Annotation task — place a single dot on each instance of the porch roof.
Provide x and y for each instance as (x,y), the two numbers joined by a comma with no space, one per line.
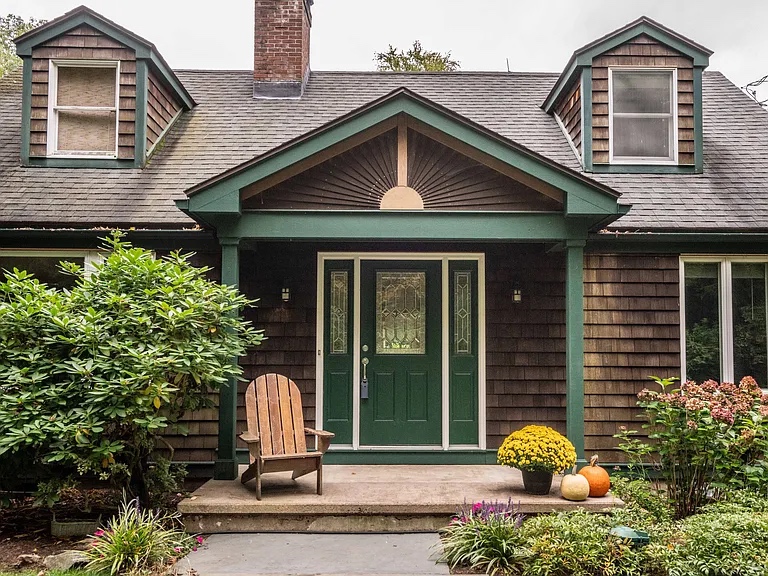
(218,200)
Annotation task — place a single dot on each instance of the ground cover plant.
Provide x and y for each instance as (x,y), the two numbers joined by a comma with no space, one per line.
(93,376)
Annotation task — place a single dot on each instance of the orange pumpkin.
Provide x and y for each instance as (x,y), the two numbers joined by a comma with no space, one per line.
(599,481)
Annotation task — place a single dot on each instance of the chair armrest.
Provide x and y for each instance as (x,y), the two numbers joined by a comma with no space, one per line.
(249,438)
(323,438)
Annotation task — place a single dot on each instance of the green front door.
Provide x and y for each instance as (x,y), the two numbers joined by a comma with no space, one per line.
(400,329)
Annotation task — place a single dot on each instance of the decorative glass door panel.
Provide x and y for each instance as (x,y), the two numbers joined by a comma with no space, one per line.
(400,312)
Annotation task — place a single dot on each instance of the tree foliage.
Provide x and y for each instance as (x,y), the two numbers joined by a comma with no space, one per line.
(12,26)
(91,377)
(415,59)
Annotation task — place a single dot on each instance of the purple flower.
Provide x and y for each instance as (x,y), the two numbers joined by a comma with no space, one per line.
(99,533)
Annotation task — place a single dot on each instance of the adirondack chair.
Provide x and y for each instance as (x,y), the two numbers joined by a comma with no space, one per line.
(276,435)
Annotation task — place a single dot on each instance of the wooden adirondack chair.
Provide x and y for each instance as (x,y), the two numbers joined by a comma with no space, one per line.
(276,436)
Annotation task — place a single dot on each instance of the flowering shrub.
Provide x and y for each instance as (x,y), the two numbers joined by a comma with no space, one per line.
(137,542)
(485,536)
(537,448)
(708,437)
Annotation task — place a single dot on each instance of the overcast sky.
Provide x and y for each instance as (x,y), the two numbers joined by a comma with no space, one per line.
(535,35)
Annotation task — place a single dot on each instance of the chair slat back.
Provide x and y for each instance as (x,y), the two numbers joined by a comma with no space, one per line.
(273,411)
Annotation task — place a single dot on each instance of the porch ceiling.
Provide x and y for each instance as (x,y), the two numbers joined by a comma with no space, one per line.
(573,203)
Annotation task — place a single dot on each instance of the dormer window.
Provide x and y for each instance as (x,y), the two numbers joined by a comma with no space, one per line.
(83,102)
(643,116)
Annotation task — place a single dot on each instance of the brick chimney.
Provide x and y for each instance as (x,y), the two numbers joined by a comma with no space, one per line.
(281,48)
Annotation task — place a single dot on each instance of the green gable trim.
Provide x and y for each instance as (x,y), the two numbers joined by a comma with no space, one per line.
(698,120)
(402,225)
(144,50)
(586,197)
(584,56)
(586,124)
(80,163)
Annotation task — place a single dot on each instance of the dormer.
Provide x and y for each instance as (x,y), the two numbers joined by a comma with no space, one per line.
(631,101)
(95,95)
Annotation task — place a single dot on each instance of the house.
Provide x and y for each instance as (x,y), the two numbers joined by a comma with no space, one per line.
(440,258)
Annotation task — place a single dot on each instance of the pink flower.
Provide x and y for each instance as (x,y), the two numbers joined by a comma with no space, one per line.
(199,539)
(177,548)
(99,533)
(692,425)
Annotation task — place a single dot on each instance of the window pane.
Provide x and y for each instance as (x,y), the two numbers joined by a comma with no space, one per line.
(462,312)
(702,321)
(339,311)
(401,312)
(641,137)
(77,86)
(45,268)
(642,92)
(749,329)
(87,132)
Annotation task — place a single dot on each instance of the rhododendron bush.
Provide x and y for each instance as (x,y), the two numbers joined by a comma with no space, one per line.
(705,438)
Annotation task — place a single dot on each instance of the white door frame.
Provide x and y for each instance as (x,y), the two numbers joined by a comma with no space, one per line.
(444,258)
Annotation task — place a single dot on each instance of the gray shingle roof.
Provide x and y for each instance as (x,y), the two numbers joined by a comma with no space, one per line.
(229,127)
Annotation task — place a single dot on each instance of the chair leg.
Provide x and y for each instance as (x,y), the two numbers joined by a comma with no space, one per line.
(320,478)
(258,484)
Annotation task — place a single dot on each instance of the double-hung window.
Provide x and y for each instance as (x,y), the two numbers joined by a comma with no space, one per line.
(724,302)
(642,116)
(83,104)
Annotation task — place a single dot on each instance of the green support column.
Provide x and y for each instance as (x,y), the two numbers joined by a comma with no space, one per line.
(226,460)
(574,344)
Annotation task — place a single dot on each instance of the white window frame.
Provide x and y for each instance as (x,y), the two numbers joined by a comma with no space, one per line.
(673,144)
(54,108)
(725,303)
(90,257)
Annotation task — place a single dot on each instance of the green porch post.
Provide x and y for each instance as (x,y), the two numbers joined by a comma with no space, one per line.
(226,461)
(574,344)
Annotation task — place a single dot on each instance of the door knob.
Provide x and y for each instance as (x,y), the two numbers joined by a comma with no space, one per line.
(364,381)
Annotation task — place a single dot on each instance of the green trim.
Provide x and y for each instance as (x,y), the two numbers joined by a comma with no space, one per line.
(340,456)
(679,243)
(698,120)
(574,344)
(226,461)
(586,125)
(144,50)
(199,240)
(643,169)
(221,194)
(402,225)
(584,56)
(140,142)
(80,163)
(26,110)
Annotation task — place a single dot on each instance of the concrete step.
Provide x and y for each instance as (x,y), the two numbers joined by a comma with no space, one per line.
(361,499)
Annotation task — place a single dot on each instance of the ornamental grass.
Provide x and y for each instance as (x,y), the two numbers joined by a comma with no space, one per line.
(537,448)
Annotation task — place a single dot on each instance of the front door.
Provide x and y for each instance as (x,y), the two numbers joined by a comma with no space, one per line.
(400,347)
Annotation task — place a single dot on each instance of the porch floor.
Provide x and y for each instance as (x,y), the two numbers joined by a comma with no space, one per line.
(369,498)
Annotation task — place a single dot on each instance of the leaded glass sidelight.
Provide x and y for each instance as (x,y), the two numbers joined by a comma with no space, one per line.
(401,312)
(462,312)
(339,311)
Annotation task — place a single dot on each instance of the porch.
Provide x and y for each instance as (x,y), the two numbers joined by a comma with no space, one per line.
(367,498)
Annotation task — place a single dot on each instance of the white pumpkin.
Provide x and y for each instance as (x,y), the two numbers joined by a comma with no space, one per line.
(574,486)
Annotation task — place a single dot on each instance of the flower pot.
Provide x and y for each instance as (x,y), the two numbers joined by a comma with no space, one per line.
(537,482)
(74,527)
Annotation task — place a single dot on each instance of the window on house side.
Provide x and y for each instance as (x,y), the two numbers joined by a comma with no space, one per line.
(44,264)
(725,319)
(642,116)
(83,109)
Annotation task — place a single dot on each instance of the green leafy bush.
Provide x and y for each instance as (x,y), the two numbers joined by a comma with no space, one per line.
(708,437)
(577,544)
(485,537)
(137,542)
(92,376)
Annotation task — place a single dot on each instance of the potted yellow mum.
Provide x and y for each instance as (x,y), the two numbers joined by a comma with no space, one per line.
(539,452)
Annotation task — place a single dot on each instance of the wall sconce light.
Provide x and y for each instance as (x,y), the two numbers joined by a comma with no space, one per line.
(286,294)
(517,292)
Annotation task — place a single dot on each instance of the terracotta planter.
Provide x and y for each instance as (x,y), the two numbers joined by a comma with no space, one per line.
(537,482)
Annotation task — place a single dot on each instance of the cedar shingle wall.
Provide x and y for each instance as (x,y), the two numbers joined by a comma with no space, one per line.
(83,43)
(632,331)
(162,106)
(569,112)
(525,371)
(644,52)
